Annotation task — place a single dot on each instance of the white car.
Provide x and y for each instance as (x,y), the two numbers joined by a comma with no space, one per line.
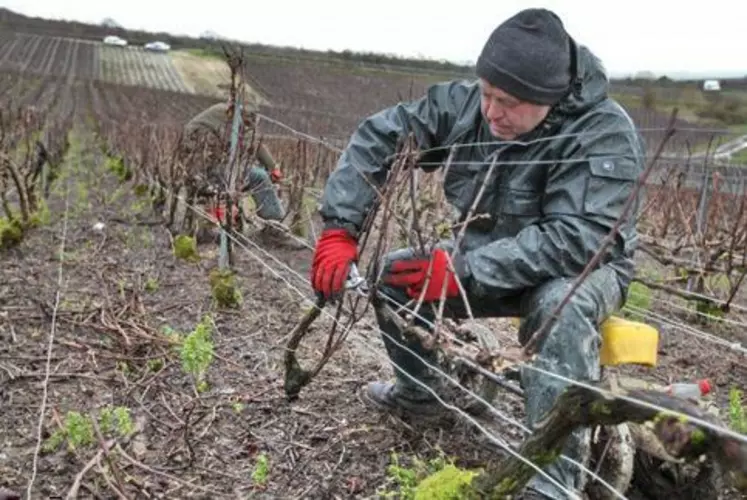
(157,46)
(115,40)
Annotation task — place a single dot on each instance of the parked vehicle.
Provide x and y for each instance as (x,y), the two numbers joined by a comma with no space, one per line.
(157,47)
(115,40)
(711,85)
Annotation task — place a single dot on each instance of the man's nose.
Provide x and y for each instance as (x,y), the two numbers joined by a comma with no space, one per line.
(494,111)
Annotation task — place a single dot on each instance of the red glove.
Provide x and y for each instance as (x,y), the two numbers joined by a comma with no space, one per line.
(411,275)
(335,251)
(276,175)
(218,213)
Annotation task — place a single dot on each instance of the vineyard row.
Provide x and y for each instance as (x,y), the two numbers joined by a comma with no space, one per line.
(75,59)
(696,247)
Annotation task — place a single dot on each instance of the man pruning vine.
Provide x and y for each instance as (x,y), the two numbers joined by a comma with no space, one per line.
(566,158)
(256,180)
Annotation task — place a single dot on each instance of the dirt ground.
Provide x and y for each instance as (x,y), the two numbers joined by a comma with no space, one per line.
(102,303)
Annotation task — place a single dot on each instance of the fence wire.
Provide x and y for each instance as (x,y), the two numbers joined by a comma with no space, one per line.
(600,391)
(493,438)
(738,172)
(441,373)
(436,369)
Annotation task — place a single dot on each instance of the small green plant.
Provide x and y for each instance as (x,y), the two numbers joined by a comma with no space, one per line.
(11,232)
(639,297)
(196,352)
(151,285)
(738,422)
(707,311)
(124,367)
(77,428)
(737,417)
(185,247)
(437,478)
(404,478)
(443,229)
(82,202)
(116,419)
(449,483)
(42,216)
(14,228)
(155,365)
(261,470)
(141,190)
(223,287)
(54,441)
(116,165)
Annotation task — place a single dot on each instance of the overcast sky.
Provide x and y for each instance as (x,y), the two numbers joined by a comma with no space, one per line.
(663,36)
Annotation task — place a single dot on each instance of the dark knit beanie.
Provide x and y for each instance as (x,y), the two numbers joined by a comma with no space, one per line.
(529,57)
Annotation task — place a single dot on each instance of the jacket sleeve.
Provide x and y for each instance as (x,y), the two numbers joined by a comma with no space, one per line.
(584,195)
(348,193)
(265,158)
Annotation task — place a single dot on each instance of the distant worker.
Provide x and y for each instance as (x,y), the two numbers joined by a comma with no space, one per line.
(256,181)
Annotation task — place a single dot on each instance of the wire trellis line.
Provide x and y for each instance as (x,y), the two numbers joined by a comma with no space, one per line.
(728,432)
(435,368)
(584,134)
(485,373)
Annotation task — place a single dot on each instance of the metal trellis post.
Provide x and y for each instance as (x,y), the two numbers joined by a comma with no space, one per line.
(225,250)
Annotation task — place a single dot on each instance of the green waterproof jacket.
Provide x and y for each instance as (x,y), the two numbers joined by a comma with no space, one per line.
(552,197)
(214,121)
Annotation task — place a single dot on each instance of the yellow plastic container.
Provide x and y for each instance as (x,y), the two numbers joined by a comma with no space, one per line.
(624,342)
(628,342)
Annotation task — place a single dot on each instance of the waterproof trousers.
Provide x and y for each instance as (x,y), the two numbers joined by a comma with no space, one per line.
(570,350)
(258,185)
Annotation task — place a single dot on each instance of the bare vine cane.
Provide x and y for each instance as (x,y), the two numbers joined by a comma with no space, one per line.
(297,377)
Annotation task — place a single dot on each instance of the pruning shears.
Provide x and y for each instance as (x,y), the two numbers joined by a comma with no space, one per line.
(356,282)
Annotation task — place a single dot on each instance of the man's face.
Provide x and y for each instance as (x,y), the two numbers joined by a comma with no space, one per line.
(508,116)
